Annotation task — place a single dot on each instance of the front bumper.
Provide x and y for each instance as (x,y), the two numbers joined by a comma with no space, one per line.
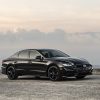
(74,72)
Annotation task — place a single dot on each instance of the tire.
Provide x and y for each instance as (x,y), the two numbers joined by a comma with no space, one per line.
(54,73)
(80,77)
(11,73)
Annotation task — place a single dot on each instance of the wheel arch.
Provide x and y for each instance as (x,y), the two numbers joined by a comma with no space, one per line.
(52,64)
(9,66)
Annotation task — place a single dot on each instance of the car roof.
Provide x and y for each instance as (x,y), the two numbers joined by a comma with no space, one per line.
(38,49)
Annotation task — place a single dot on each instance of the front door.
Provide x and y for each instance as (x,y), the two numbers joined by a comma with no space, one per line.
(37,66)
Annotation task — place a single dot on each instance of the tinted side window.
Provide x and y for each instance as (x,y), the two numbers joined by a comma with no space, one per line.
(33,54)
(24,54)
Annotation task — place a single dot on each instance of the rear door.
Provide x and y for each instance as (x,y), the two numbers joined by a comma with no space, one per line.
(23,62)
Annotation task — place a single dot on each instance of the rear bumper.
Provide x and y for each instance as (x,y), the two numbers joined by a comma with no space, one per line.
(3,70)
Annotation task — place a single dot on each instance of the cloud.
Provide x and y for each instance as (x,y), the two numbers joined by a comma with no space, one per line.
(85,45)
(58,38)
(55,37)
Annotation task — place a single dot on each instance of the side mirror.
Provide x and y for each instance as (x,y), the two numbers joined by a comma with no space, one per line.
(39,57)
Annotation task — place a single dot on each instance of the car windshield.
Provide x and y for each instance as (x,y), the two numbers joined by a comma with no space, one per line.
(52,53)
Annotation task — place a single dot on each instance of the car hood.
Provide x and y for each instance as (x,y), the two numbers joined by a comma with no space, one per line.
(71,59)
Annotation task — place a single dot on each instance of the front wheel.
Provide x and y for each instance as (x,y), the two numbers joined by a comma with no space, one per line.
(11,73)
(54,73)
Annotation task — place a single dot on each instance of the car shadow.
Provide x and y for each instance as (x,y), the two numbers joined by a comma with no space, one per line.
(47,79)
(32,78)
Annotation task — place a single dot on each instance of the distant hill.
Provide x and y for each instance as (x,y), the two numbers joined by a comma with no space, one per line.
(96,66)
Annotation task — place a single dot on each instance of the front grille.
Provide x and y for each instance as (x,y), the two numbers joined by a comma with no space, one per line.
(79,67)
(83,66)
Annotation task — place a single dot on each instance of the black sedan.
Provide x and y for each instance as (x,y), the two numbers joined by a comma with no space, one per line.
(45,62)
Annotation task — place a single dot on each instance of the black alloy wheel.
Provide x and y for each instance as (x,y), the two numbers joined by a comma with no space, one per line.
(54,73)
(11,73)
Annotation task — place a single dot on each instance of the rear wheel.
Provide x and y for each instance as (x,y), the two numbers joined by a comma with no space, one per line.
(54,73)
(80,77)
(11,73)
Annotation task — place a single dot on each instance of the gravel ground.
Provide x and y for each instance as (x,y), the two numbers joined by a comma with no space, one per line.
(30,88)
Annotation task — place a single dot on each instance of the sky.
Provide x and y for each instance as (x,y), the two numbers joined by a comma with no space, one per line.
(47,15)
(72,26)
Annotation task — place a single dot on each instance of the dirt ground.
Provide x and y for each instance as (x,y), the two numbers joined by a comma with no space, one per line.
(30,88)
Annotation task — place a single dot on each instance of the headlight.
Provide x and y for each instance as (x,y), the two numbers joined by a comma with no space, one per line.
(68,64)
(90,67)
